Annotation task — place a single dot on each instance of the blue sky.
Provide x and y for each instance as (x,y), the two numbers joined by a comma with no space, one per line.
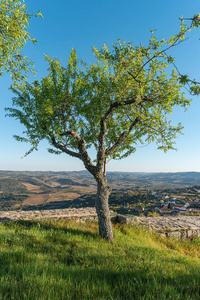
(83,24)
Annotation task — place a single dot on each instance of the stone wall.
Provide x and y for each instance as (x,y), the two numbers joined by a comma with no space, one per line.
(53,214)
(170,226)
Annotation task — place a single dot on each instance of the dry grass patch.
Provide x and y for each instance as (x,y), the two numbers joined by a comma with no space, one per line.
(36,199)
(53,184)
(84,189)
(32,187)
(63,197)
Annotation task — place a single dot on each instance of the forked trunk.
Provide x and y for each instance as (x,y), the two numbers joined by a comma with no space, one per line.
(103,192)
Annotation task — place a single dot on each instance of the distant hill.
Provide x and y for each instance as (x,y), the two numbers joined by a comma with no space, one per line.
(67,181)
(115,179)
(9,185)
(160,180)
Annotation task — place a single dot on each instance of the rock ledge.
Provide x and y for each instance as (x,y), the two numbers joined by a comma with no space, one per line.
(178,227)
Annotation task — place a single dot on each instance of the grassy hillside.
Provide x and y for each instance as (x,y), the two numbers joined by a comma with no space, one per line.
(66,260)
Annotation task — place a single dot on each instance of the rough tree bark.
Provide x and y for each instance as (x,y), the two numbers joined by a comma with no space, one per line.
(101,203)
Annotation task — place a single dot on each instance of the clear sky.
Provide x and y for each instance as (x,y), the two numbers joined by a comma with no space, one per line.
(83,24)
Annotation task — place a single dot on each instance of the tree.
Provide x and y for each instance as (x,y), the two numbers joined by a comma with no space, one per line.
(125,98)
(14,21)
(169,205)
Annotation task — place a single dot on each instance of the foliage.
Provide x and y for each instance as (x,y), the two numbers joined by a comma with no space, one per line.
(14,21)
(127,96)
(193,85)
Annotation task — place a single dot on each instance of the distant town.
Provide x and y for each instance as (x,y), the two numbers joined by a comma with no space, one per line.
(161,202)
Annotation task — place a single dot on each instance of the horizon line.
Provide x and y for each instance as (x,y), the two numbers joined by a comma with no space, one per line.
(84,170)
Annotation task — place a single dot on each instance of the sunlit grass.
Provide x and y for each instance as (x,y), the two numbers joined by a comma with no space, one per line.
(67,260)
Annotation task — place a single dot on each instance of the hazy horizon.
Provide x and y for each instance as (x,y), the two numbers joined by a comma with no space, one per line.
(84,170)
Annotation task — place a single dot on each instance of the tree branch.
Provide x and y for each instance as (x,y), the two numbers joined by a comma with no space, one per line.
(83,155)
(175,43)
(103,128)
(63,148)
(121,139)
(101,155)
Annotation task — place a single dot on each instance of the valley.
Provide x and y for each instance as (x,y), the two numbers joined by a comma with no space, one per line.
(132,193)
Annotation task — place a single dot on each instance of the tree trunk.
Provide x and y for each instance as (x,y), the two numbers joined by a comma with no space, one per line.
(103,192)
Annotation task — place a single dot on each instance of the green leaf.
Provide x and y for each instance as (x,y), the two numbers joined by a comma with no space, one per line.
(14,25)
(195,89)
(39,14)
(184,79)
(124,98)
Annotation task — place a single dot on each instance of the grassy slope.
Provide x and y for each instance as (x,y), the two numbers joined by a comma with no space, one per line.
(66,260)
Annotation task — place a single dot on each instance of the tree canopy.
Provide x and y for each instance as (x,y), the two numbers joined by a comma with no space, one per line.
(14,21)
(126,95)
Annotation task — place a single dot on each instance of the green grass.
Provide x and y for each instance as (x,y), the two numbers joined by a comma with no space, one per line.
(67,260)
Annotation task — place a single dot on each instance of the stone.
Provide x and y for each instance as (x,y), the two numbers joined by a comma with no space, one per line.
(174,234)
(123,219)
(119,219)
(191,233)
(183,234)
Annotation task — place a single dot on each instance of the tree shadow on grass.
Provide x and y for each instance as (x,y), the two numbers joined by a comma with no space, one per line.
(94,278)
(52,225)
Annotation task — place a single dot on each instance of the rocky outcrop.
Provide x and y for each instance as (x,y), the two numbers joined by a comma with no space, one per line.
(171,226)
(53,214)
